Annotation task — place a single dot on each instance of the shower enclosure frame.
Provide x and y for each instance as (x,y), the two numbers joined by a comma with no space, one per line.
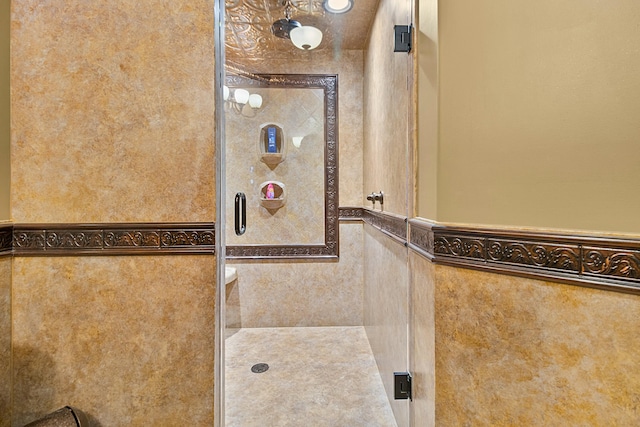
(220,174)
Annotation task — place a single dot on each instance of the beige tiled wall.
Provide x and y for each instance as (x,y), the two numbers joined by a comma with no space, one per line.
(298,112)
(129,340)
(422,349)
(273,294)
(348,65)
(112,115)
(314,293)
(5,133)
(513,351)
(386,308)
(5,341)
(112,111)
(387,108)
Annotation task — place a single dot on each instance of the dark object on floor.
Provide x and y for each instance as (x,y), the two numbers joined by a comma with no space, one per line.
(63,417)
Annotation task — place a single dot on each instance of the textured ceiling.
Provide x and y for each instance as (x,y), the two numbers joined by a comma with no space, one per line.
(248,28)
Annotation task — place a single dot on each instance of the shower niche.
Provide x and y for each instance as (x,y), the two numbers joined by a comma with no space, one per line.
(272,195)
(271,144)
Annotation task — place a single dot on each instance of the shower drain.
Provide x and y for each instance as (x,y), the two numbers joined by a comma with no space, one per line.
(259,368)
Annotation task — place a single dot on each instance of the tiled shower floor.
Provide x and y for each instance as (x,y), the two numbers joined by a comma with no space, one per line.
(316,377)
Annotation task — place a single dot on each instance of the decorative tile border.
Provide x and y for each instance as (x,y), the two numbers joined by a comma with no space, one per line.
(113,239)
(6,237)
(607,263)
(393,225)
(350,213)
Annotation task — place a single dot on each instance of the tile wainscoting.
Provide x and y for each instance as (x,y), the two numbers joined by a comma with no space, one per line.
(601,262)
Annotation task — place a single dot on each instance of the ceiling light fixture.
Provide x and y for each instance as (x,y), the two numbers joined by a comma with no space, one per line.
(337,6)
(303,37)
(306,37)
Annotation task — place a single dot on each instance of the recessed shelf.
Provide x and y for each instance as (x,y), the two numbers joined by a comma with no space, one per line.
(271,144)
(279,195)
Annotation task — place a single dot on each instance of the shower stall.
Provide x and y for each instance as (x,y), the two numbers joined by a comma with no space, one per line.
(314,310)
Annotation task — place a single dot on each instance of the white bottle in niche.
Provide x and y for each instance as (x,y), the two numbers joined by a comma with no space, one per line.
(271,140)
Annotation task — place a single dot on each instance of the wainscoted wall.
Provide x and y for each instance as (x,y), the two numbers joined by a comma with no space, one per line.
(274,294)
(520,351)
(514,351)
(129,340)
(498,349)
(5,341)
(113,122)
(386,310)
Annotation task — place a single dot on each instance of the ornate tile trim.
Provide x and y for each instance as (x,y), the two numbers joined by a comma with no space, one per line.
(390,224)
(113,239)
(350,213)
(606,263)
(6,237)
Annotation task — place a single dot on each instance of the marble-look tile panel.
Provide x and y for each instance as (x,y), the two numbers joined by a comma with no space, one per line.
(386,315)
(348,65)
(514,351)
(298,112)
(5,341)
(317,376)
(387,107)
(301,293)
(128,340)
(422,357)
(112,111)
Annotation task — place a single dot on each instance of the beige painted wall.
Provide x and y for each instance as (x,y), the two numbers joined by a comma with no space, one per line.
(513,351)
(113,121)
(538,107)
(5,127)
(426,170)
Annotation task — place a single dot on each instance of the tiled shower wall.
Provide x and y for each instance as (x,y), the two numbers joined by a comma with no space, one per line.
(5,341)
(314,293)
(112,115)
(298,112)
(386,143)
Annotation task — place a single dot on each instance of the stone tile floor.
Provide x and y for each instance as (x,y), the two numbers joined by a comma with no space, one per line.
(317,376)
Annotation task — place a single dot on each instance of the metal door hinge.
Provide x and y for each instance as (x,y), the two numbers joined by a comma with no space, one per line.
(402,38)
(402,385)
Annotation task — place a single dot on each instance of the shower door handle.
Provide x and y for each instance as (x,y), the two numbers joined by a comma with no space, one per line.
(241,214)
